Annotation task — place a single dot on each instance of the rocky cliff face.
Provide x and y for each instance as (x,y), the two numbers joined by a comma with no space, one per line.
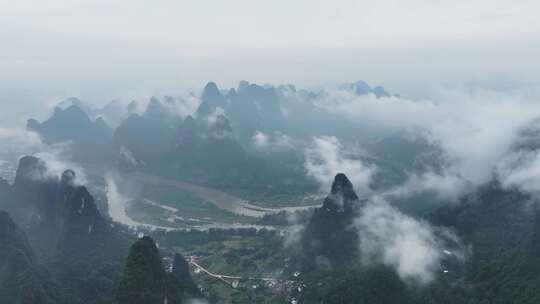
(59,214)
(73,243)
(329,236)
(20,280)
(145,281)
(79,223)
(12,239)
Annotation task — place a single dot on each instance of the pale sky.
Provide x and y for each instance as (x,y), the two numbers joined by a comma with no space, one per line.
(102,49)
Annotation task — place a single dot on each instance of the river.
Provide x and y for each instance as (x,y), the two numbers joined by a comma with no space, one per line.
(118,202)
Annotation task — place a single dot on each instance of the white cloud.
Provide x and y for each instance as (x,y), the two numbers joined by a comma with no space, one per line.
(121,191)
(326,157)
(521,169)
(474,128)
(447,186)
(392,238)
(117,202)
(16,143)
(212,118)
(128,157)
(260,140)
(187,105)
(182,106)
(275,141)
(57,162)
(294,230)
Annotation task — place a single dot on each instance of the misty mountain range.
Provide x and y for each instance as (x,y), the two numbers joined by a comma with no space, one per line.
(269,152)
(413,213)
(248,120)
(64,225)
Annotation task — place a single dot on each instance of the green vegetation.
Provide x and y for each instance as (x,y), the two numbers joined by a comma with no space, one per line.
(145,281)
(245,253)
(144,277)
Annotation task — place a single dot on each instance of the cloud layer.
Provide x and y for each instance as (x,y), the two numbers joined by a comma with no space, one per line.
(475,128)
(275,141)
(16,143)
(392,238)
(326,157)
(521,170)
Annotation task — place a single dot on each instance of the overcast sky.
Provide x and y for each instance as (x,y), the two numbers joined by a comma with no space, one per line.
(102,49)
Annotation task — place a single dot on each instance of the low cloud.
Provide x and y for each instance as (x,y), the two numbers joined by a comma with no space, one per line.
(275,141)
(213,117)
(394,239)
(446,185)
(17,143)
(180,106)
(56,161)
(117,201)
(121,191)
(520,167)
(186,105)
(475,128)
(294,231)
(521,170)
(127,156)
(326,157)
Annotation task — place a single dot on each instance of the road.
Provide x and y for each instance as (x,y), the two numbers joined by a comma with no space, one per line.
(234,280)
